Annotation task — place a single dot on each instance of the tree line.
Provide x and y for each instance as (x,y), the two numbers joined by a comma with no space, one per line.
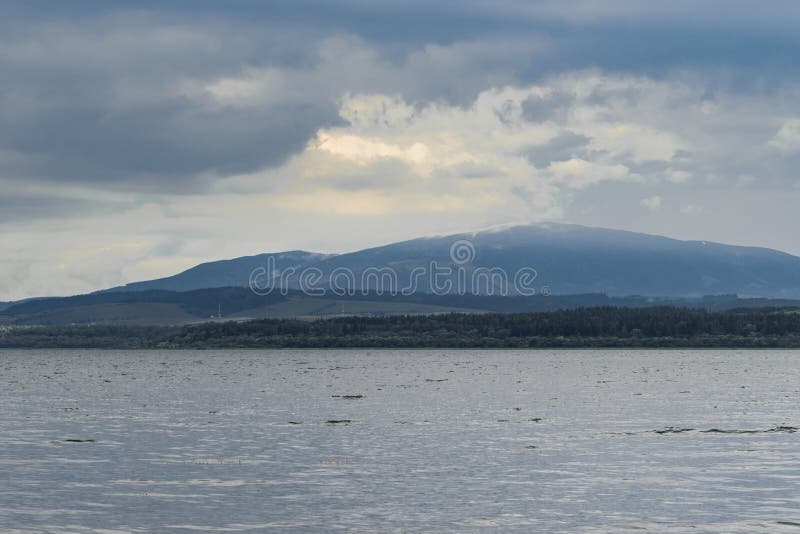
(585,327)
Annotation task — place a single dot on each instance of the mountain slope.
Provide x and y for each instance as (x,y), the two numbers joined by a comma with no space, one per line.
(239,303)
(223,273)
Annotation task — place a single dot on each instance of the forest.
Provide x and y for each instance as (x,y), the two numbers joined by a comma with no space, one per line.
(583,327)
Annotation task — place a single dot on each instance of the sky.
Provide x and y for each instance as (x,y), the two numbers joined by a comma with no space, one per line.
(138,139)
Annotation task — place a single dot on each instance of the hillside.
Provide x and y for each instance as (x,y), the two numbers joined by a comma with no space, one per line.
(224,273)
(237,303)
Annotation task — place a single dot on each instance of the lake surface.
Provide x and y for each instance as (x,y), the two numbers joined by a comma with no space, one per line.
(547,441)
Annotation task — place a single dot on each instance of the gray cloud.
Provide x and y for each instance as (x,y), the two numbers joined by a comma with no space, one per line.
(16,207)
(91,89)
(553,106)
(565,146)
(103,101)
(89,93)
(163,146)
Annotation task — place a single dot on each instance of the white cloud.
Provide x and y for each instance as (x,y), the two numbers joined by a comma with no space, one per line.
(692,209)
(652,203)
(579,174)
(441,145)
(251,88)
(788,137)
(363,151)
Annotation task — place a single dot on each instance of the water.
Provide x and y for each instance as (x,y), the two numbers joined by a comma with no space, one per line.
(548,441)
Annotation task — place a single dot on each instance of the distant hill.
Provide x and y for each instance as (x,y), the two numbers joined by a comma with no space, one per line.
(136,307)
(568,260)
(158,307)
(6,305)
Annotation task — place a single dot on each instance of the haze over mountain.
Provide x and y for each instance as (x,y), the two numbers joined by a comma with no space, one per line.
(567,259)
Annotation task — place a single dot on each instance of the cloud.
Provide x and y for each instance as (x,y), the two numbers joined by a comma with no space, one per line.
(544,107)
(788,137)
(651,203)
(109,125)
(363,151)
(692,209)
(16,207)
(564,146)
(160,97)
(579,173)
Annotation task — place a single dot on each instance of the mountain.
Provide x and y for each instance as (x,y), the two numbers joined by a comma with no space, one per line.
(561,259)
(572,259)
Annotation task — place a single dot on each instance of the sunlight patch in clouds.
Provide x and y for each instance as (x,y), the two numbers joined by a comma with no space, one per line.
(788,137)
(441,149)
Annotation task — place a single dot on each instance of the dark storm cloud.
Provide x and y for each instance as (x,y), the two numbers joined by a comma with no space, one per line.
(164,143)
(88,89)
(98,100)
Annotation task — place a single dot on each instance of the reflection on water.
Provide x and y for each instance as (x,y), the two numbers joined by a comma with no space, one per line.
(407,440)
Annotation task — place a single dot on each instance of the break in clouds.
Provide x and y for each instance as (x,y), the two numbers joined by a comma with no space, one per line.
(139,139)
